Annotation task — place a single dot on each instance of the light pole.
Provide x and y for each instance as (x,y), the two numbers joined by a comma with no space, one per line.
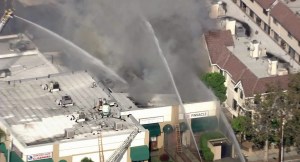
(282,132)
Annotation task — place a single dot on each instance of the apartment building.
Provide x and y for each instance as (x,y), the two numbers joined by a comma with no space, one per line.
(279,19)
(246,74)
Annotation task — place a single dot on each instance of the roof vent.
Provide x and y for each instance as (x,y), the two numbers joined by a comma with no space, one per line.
(254,49)
(69,133)
(65,101)
(52,86)
(5,73)
(118,125)
(273,66)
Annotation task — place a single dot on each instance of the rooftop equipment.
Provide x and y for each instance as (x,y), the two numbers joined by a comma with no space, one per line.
(5,73)
(65,101)
(118,125)
(105,110)
(52,87)
(69,133)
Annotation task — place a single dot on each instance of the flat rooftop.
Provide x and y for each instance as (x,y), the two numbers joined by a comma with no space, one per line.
(34,116)
(22,58)
(257,66)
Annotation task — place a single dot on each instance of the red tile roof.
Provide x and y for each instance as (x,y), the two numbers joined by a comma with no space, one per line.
(265,3)
(287,19)
(221,56)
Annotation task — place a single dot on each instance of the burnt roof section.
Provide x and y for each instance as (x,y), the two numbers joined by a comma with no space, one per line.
(221,56)
(265,3)
(287,19)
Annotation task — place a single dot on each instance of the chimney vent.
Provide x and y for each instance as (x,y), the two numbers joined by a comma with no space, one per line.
(273,66)
(254,49)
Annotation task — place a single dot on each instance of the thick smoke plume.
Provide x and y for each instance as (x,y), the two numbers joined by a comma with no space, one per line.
(113,31)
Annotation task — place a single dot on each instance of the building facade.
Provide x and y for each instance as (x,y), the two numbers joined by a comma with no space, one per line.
(278,20)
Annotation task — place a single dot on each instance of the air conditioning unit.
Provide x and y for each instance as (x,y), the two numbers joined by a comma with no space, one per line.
(118,126)
(69,133)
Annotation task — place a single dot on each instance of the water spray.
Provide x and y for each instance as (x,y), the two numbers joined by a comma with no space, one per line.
(92,58)
(163,58)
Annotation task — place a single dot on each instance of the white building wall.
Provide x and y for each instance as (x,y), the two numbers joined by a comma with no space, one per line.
(210,107)
(91,145)
(165,112)
(284,35)
(257,9)
(38,149)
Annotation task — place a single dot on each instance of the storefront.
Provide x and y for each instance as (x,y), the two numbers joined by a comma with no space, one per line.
(154,132)
(204,123)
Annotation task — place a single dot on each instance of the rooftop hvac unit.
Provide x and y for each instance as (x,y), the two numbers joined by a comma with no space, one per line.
(69,133)
(118,125)
(53,86)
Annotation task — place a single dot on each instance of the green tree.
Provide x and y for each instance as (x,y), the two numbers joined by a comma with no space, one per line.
(215,81)
(272,109)
(242,125)
(86,160)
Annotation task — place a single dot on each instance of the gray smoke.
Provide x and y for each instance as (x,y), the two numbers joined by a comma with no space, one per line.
(113,31)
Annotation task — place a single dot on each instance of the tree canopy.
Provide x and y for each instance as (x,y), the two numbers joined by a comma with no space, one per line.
(87,160)
(242,125)
(215,81)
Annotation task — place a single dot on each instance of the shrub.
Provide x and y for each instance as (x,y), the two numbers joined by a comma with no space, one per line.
(205,137)
(164,157)
(86,160)
(208,155)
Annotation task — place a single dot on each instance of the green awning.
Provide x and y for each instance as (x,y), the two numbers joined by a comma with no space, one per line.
(14,157)
(139,153)
(204,124)
(3,148)
(154,129)
(62,160)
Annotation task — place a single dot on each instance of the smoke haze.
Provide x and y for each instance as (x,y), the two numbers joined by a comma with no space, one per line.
(113,31)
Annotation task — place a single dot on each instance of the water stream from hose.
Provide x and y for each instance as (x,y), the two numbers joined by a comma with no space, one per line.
(89,56)
(165,62)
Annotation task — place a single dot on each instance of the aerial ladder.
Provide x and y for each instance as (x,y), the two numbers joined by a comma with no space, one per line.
(100,144)
(119,152)
(6,16)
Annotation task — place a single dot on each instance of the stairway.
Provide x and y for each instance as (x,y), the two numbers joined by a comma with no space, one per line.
(178,139)
(100,144)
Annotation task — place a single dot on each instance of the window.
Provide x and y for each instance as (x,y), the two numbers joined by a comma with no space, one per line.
(290,35)
(275,21)
(276,37)
(265,11)
(241,95)
(251,14)
(234,104)
(258,21)
(291,52)
(236,89)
